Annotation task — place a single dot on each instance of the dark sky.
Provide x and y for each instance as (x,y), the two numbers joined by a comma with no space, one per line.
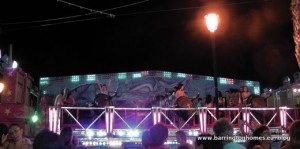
(254,40)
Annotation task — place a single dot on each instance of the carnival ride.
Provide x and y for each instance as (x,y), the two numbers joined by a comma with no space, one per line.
(140,102)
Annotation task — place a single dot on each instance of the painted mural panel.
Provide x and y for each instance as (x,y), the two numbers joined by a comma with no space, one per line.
(137,89)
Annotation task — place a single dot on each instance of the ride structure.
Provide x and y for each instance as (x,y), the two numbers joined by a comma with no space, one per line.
(135,101)
(16,104)
(286,95)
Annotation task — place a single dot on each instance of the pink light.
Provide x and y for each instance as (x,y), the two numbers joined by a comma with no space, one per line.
(201,122)
(205,123)
(283,117)
(202,117)
(55,111)
(111,121)
(50,119)
(109,112)
(246,118)
(107,121)
(156,115)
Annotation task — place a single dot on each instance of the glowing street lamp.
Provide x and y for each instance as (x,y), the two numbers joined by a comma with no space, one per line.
(212,21)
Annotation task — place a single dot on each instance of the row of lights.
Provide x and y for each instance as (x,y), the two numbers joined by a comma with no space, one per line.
(124,133)
(116,143)
(193,133)
(296,90)
(119,143)
(91,133)
(121,76)
(102,133)
(130,133)
(101,143)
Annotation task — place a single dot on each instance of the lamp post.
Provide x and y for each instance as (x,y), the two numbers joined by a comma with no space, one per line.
(212,25)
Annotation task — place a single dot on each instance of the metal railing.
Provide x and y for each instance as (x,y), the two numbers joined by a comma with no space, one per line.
(200,119)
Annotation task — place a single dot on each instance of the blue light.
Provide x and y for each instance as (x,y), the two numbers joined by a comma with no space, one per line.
(90,77)
(75,79)
(209,78)
(249,83)
(122,76)
(181,75)
(223,81)
(44,81)
(167,74)
(256,90)
(136,75)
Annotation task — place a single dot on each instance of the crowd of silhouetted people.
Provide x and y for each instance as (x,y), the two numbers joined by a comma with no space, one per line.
(223,138)
(12,138)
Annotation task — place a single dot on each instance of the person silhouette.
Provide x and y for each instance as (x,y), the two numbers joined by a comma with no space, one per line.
(64,98)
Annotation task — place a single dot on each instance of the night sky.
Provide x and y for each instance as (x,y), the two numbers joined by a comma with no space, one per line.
(254,40)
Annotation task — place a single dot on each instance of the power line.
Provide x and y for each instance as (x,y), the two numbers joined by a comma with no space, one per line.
(188,8)
(125,5)
(49,20)
(74,16)
(89,9)
(51,24)
(124,14)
